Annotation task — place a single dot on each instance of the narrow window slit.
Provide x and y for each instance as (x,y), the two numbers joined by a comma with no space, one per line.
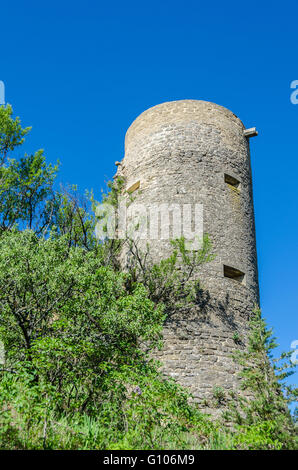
(234,273)
(231,181)
(134,187)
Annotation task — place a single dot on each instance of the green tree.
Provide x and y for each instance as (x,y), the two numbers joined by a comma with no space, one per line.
(43,283)
(261,414)
(26,185)
(11,132)
(74,217)
(74,336)
(78,331)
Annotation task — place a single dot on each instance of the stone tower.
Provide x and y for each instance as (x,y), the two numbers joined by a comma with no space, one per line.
(198,152)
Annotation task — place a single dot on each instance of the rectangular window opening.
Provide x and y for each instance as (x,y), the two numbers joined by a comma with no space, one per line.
(231,181)
(133,187)
(234,273)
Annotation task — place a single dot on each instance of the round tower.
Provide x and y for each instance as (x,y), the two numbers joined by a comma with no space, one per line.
(197,153)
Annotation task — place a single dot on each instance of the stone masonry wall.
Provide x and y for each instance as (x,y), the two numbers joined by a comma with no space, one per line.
(180,153)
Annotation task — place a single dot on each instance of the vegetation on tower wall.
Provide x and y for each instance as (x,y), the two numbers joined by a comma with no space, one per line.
(78,332)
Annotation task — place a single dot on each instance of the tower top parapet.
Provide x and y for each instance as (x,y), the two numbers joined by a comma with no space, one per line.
(182,111)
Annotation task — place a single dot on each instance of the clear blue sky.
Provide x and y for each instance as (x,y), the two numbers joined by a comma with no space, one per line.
(81,72)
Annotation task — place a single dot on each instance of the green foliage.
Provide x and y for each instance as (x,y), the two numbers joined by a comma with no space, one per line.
(26,194)
(171,281)
(261,414)
(47,286)
(135,410)
(219,395)
(11,132)
(73,337)
(73,218)
(26,189)
(114,190)
(78,331)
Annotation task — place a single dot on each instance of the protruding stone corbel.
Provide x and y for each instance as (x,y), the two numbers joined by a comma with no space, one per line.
(251,132)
